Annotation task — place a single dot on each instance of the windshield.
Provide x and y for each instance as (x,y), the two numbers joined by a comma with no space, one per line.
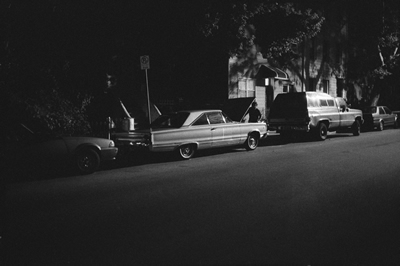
(174,120)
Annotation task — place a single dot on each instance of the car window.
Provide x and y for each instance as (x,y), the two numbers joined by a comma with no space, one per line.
(387,110)
(202,120)
(381,111)
(174,120)
(215,118)
(227,119)
(322,102)
(341,103)
(330,102)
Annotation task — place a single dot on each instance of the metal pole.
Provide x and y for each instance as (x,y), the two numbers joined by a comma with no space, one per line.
(148,100)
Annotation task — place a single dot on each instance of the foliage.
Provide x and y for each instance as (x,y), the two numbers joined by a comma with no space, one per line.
(275,26)
(374,58)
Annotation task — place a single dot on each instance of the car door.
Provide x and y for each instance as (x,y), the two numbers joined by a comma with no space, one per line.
(346,118)
(217,124)
(382,115)
(389,117)
(201,132)
(232,131)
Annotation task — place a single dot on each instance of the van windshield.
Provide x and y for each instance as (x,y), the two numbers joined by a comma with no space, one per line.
(289,105)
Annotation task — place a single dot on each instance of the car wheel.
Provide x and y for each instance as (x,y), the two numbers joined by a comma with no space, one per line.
(251,142)
(87,161)
(396,123)
(381,125)
(322,131)
(186,151)
(356,128)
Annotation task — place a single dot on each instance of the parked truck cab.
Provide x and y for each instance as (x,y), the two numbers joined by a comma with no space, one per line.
(314,112)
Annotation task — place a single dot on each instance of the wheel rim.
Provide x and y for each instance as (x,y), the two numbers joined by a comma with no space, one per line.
(252,142)
(86,162)
(186,151)
(323,132)
(381,126)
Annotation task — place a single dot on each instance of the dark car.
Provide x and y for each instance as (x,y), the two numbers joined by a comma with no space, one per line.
(379,117)
(24,151)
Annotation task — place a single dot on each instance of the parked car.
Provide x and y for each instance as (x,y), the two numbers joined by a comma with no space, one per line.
(31,152)
(379,117)
(188,131)
(313,112)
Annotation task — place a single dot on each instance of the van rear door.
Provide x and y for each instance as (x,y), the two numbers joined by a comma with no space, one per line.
(289,108)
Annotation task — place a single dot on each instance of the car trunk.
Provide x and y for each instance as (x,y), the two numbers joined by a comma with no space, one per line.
(236,109)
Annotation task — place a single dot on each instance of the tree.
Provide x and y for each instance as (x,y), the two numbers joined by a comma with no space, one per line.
(374,58)
(275,26)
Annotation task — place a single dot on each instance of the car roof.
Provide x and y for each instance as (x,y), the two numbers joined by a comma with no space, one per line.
(318,94)
(194,114)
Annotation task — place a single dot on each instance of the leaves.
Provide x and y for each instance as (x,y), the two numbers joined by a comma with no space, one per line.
(274,26)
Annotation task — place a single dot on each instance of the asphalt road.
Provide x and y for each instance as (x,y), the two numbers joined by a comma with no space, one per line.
(288,202)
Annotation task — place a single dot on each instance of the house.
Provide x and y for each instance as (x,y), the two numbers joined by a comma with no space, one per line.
(320,66)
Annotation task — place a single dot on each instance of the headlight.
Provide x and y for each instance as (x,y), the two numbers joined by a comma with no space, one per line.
(111,144)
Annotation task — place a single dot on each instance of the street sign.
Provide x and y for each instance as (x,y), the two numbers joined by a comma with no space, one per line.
(145,62)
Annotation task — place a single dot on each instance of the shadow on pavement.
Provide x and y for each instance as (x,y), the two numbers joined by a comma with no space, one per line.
(21,174)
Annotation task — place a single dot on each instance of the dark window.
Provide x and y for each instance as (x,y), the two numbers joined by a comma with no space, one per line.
(323,102)
(285,88)
(330,103)
(171,120)
(202,120)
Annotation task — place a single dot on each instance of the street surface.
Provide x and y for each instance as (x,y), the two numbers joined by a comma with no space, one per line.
(288,202)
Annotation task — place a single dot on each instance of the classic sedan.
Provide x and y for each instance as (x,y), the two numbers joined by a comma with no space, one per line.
(379,117)
(30,152)
(188,131)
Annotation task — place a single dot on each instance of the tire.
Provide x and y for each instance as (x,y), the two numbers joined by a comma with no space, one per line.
(381,126)
(322,131)
(251,142)
(396,123)
(87,161)
(356,128)
(186,151)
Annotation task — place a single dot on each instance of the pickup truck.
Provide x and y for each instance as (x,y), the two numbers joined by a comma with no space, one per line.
(379,117)
(315,112)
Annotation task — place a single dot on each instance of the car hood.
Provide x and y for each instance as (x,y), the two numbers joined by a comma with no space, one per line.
(237,108)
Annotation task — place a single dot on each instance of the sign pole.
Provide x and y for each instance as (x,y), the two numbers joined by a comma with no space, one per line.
(148,100)
(145,64)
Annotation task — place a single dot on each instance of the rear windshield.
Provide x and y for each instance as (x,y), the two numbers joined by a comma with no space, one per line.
(289,105)
(174,120)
